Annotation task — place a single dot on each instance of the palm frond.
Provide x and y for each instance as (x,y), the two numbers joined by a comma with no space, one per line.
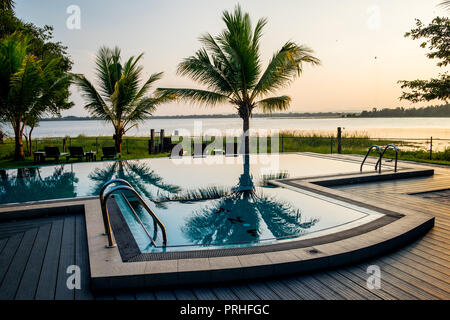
(146,86)
(272,104)
(284,66)
(192,95)
(94,102)
(200,68)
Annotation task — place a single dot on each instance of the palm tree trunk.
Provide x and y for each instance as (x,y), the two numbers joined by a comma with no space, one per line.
(18,152)
(118,141)
(30,141)
(245,129)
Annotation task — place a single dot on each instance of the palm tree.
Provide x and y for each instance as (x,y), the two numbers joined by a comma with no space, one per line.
(229,65)
(120,99)
(7,5)
(28,86)
(138,174)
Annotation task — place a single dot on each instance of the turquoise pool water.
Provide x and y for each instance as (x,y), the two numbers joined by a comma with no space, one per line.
(203,202)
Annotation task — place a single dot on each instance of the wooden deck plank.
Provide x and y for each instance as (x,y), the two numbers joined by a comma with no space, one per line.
(387,285)
(243,292)
(319,288)
(344,291)
(224,293)
(382,293)
(424,286)
(8,253)
(204,293)
(145,295)
(47,280)
(420,262)
(301,289)
(82,259)
(283,291)
(30,278)
(3,244)
(395,281)
(184,294)
(437,279)
(66,259)
(15,271)
(165,295)
(263,291)
(364,292)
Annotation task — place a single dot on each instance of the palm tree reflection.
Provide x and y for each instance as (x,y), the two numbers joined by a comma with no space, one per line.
(28,185)
(242,215)
(138,174)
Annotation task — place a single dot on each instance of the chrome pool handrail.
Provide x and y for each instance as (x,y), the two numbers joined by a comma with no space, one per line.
(141,201)
(115,181)
(367,154)
(139,220)
(389,146)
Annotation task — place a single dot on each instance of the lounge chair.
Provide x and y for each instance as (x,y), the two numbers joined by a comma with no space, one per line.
(110,153)
(76,153)
(53,152)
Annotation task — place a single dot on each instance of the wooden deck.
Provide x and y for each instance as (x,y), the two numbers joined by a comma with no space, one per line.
(34,255)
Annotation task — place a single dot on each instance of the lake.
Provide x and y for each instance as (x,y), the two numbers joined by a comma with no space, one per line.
(374,127)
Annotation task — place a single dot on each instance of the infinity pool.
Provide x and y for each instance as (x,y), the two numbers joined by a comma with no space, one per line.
(203,202)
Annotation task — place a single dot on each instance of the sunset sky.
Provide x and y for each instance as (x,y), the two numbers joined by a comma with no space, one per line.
(360,43)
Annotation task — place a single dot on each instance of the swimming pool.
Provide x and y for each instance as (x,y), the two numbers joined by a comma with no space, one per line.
(203,202)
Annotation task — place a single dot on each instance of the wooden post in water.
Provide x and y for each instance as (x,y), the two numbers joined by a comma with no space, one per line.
(339,140)
(151,147)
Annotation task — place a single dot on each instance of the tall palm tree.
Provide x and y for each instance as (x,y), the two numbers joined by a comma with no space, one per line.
(229,65)
(28,86)
(121,99)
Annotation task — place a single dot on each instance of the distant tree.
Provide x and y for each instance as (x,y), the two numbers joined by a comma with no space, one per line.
(120,99)
(229,65)
(40,45)
(437,39)
(29,87)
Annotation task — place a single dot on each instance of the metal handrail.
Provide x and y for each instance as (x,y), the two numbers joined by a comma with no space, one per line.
(118,181)
(139,219)
(389,146)
(106,221)
(367,154)
(142,202)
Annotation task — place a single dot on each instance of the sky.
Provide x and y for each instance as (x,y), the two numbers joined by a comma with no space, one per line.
(361,44)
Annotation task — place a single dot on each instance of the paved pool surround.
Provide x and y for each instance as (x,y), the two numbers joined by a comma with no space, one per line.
(395,228)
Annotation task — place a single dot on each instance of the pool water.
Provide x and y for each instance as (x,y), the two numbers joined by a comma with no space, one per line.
(203,202)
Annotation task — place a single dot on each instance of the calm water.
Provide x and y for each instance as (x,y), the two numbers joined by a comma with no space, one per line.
(203,201)
(377,128)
